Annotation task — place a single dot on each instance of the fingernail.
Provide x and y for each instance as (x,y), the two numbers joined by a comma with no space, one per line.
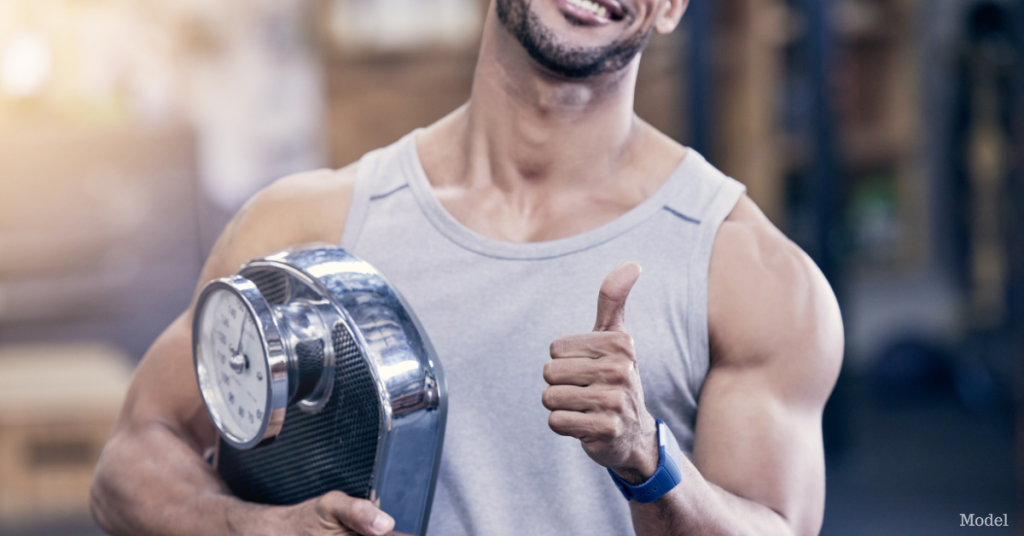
(380,524)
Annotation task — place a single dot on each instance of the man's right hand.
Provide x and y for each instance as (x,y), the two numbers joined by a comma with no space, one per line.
(335,513)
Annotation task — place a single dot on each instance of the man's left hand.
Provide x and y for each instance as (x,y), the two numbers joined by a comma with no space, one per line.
(594,391)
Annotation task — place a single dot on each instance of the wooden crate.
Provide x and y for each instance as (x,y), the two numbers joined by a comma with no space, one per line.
(57,404)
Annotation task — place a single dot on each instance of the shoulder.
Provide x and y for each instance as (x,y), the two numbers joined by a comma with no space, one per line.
(309,206)
(768,303)
(297,209)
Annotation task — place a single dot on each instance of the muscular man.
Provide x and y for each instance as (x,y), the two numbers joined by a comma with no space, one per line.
(501,223)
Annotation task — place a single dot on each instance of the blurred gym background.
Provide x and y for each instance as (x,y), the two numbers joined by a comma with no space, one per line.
(886,137)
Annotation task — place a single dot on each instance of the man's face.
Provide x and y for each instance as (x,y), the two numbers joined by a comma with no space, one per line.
(579,38)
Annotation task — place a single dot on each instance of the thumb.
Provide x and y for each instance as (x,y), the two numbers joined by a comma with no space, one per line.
(359,515)
(611,301)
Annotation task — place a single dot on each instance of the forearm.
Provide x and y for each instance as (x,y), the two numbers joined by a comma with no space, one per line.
(699,507)
(150,481)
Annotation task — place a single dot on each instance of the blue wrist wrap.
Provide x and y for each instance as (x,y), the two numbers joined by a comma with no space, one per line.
(666,477)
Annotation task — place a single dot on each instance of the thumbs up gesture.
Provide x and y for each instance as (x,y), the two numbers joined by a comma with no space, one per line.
(594,391)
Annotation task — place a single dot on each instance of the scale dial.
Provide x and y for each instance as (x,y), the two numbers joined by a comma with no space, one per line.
(233,365)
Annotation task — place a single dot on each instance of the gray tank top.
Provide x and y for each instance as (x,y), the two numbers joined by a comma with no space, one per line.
(491,309)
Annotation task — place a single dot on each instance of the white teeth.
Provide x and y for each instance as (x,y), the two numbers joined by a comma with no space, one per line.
(592,7)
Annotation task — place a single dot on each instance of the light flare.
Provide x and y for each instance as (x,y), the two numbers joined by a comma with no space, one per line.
(25,65)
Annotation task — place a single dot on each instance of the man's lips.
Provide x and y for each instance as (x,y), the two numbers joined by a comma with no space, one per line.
(593,11)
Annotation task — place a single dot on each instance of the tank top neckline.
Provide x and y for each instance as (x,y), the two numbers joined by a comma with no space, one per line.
(471,240)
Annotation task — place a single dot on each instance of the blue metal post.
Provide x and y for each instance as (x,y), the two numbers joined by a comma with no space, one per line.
(701,81)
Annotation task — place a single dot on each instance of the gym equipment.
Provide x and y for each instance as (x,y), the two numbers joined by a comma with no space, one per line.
(319,377)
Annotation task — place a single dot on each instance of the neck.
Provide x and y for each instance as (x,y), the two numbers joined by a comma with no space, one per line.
(526,127)
(534,156)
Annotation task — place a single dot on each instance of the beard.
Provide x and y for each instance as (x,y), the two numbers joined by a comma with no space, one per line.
(569,61)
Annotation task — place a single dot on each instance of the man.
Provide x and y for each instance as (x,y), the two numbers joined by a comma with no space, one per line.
(499,223)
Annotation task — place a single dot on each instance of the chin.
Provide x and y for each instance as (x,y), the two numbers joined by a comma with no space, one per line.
(565,46)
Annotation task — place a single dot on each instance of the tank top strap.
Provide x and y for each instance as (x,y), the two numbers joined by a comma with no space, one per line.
(381,173)
(705,195)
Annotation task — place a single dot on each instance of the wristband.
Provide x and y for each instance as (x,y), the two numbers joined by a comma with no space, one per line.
(666,477)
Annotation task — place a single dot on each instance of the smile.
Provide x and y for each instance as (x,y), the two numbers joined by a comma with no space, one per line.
(592,7)
(598,10)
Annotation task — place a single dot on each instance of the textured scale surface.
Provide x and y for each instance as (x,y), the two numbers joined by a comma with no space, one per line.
(307,459)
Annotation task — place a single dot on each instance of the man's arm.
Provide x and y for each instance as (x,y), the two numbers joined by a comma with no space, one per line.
(776,348)
(152,477)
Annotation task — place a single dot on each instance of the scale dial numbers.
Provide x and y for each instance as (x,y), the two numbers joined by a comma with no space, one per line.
(232,366)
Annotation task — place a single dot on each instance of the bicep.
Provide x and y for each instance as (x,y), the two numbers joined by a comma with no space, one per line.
(753,443)
(776,347)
